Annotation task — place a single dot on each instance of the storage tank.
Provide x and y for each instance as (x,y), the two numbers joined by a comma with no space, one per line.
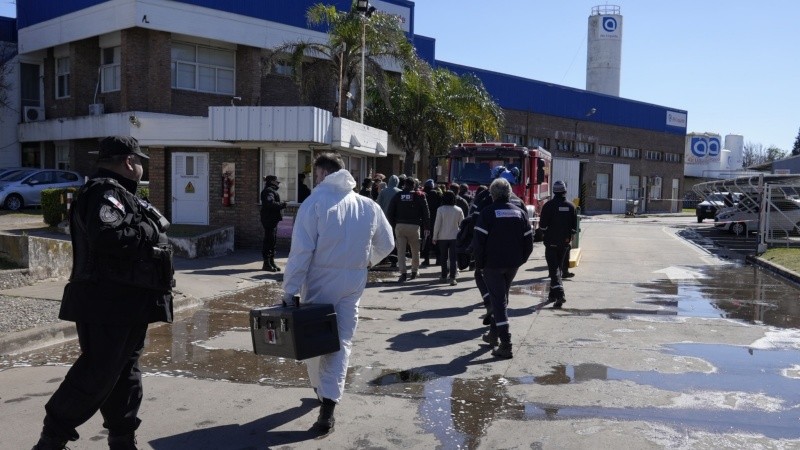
(735,143)
(702,155)
(604,50)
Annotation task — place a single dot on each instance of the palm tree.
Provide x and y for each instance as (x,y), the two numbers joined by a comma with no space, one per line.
(430,110)
(329,70)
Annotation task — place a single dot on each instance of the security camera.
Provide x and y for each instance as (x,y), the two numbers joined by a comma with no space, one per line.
(132,119)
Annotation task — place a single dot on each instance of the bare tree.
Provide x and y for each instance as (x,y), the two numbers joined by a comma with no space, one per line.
(7,53)
(755,154)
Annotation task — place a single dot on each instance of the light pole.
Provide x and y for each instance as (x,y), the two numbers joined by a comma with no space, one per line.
(363,7)
(589,113)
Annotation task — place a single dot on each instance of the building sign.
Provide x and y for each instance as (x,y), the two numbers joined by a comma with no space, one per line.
(676,119)
(703,150)
(609,28)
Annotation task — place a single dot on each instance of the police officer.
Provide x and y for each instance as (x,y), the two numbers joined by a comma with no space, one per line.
(408,213)
(271,207)
(434,199)
(121,281)
(559,223)
(503,241)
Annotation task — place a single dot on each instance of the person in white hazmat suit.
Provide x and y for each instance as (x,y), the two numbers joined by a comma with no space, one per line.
(337,235)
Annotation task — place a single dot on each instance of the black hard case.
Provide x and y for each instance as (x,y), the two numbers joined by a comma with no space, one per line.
(294,331)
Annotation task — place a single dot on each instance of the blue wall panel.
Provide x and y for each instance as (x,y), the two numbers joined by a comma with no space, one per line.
(523,94)
(8,29)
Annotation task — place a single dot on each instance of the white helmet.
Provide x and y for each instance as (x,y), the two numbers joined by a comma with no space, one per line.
(559,187)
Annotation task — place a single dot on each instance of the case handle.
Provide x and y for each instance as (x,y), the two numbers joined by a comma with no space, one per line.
(295,301)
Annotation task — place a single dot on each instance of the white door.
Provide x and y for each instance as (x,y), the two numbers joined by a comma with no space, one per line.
(190,188)
(675,200)
(619,182)
(568,171)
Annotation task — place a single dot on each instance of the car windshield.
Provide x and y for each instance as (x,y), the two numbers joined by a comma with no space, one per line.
(16,175)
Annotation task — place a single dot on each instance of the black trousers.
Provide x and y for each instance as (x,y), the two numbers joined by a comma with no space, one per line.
(105,377)
(270,238)
(480,282)
(447,257)
(565,264)
(554,255)
(498,283)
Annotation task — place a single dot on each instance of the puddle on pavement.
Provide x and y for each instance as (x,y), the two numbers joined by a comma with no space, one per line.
(458,411)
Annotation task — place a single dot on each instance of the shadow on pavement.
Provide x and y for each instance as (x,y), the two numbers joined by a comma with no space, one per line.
(257,434)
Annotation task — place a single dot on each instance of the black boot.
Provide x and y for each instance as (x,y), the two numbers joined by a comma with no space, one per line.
(50,443)
(122,442)
(275,267)
(325,421)
(267,266)
(503,351)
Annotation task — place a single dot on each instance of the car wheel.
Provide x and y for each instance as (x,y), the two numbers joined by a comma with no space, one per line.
(699,219)
(739,228)
(13,202)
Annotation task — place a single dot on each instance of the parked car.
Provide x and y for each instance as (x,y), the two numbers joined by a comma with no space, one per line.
(784,215)
(24,187)
(7,170)
(708,208)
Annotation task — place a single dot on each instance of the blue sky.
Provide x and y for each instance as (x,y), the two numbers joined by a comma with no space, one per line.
(734,65)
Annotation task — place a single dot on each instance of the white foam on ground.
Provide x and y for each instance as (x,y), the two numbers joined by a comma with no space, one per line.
(228,340)
(727,401)
(778,339)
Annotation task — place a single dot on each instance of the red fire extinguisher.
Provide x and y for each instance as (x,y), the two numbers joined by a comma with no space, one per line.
(226,190)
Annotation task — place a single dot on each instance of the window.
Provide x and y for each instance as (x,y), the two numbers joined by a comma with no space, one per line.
(514,139)
(632,153)
(602,186)
(539,142)
(62,156)
(653,155)
(204,69)
(584,147)
(62,77)
(109,69)
(564,146)
(283,68)
(282,164)
(608,150)
(672,157)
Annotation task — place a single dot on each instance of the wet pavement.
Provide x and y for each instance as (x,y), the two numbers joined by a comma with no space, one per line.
(743,385)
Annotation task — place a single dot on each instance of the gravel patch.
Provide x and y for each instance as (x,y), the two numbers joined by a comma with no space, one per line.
(20,313)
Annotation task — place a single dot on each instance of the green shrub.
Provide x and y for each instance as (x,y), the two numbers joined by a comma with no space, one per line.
(143,191)
(54,205)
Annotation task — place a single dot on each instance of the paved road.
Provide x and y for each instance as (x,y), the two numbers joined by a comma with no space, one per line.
(661,344)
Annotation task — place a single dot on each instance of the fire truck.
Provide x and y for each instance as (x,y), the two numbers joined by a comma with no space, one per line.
(476,163)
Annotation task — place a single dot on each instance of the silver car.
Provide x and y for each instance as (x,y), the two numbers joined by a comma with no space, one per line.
(24,187)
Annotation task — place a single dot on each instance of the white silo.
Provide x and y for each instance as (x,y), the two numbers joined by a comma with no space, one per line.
(604,50)
(702,155)
(735,143)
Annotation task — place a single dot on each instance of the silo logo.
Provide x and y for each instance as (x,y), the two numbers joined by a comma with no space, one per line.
(610,24)
(702,147)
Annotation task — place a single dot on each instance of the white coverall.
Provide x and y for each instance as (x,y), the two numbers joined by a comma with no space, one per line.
(337,235)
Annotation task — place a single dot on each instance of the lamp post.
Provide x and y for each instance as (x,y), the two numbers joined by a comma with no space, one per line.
(589,113)
(363,7)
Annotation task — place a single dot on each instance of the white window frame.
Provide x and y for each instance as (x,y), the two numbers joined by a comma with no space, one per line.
(283,68)
(539,142)
(283,164)
(653,155)
(584,147)
(601,190)
(608,150)
(62,77)
(632,153)
(514,139)
(195,69)
(672,157)
(655,189)
(62,156)
(110,72)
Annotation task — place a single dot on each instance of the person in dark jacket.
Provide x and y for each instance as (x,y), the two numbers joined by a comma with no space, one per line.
(366,188)
(121,281)
(460,202)
(434,199)
(271,207)
(559,223)
(503,241)
(303,191)
(409,215)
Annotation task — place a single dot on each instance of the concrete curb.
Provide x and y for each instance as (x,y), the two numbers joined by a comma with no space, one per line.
(779,270)
(59,332)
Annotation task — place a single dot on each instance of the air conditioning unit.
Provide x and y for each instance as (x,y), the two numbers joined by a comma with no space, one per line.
(33,113)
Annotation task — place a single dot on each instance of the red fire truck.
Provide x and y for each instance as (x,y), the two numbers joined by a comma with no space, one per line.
(476,163)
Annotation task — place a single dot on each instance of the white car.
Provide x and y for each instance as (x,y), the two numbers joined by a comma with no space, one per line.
(24,187)
(784,215)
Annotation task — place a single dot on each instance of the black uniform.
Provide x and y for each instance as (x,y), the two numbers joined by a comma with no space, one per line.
(434,199)
(121,281)
(271,207)
(558,222)
(503,241)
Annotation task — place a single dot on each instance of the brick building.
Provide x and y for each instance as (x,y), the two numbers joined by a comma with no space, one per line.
(185,78)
